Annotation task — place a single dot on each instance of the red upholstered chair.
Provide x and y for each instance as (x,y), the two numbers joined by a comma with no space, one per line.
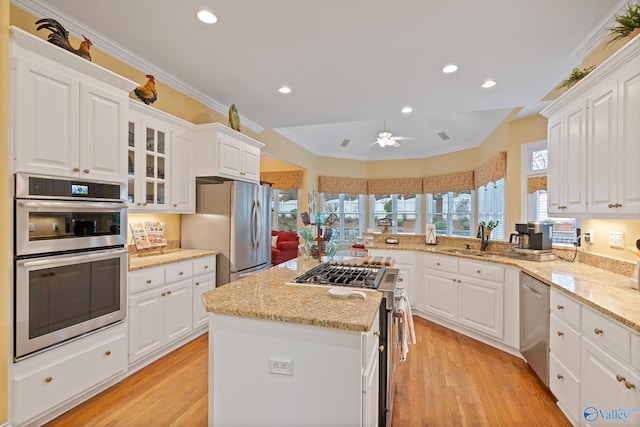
(284,247)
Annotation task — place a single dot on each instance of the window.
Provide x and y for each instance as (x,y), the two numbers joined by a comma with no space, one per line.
(285,210)
(450,212)
(403,209)
(348,207)
(491,206)
(534,164)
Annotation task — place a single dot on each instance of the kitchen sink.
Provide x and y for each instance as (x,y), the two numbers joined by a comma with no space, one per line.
(471,253)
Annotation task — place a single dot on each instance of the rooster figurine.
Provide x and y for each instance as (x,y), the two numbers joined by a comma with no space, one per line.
(60,37)
(147,93)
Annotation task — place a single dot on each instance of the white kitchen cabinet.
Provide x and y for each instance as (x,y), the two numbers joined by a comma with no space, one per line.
(332,379)
(204,280)
(66,123)
(161,151)
(56,378)
(160,307)
(468,293)
(223,152)
(567,176)
(607,384)
(604,109)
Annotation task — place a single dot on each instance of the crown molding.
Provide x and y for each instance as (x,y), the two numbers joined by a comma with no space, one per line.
(119,52)
(599,33)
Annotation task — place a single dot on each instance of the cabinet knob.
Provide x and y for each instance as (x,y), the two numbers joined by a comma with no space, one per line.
(560,333)
(560,307)
(206,266)
(437,263)
(181,273)
(560,377)
(107,353)
(377,333)
(478,271)
(611,206)
(175,205)
(628,385)
(48,379)
(148,281)
(381,348)
(598,331)
(76,169)
(454,280)
(163,294)
(197,283)
(168,292)
(85,171)
(620,378)
(618,205)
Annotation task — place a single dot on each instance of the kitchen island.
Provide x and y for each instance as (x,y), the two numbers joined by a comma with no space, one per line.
(291,355)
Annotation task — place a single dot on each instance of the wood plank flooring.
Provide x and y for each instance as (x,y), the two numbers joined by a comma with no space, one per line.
(447,380)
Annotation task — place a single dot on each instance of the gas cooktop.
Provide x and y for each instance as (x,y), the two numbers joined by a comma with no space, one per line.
(343,274)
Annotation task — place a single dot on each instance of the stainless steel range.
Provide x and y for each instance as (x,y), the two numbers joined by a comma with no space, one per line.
(368,277)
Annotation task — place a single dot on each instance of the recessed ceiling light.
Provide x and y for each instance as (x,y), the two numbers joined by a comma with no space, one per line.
(284,89)
(207,17)
(488,84)
(450,69)
(406,110)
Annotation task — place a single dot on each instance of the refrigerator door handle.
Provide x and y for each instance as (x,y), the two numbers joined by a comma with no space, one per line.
(254,225)
(260,224)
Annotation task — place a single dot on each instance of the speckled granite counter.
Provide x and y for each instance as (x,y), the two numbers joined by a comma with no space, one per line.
(265,295)
(138,262)
(606,292)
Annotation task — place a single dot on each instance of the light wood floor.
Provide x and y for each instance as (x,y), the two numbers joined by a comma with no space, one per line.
(447,380)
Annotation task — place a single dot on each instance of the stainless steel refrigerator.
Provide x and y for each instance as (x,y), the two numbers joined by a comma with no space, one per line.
(234,218)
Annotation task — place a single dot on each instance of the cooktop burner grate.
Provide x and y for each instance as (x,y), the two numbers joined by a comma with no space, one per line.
(341,274)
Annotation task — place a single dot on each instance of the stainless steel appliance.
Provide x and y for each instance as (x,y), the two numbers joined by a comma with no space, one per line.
(70,260)
(533,242)
(534,325)
(372,277)
(231,217)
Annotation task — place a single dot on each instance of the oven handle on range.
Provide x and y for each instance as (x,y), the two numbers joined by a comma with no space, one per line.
(85,206)
(64,260)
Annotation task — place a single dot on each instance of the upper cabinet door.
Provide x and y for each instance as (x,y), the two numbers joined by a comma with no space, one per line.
(46,120)
(183,173)
(230,154)
(103,134)
(629,140)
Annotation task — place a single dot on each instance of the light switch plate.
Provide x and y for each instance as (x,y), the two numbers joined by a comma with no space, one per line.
(616,239)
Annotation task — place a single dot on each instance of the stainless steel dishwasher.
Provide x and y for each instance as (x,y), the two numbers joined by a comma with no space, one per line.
(534,325)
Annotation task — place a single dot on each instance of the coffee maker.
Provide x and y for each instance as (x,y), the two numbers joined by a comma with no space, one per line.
(534,236)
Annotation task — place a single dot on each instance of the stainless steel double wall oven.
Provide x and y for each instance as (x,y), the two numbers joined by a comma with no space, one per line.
(70,260)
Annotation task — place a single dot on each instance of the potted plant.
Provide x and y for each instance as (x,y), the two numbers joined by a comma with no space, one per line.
(575,76)
(628,24)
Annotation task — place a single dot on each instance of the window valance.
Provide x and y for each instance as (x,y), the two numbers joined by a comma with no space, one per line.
(338,185)
(536,183)
(454,182)
(491,170)
(380,187)
(283,180)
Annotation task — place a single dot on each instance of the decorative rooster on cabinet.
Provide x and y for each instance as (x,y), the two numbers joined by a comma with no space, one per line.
(60,37)
(147,93)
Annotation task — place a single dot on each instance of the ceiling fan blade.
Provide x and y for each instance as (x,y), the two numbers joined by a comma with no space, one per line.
(375,142)
(396,145)
(402,138)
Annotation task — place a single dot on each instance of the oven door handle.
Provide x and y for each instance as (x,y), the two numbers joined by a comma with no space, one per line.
(72,259)
(84,206)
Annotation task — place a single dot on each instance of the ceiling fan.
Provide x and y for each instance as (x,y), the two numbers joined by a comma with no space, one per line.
(386,138)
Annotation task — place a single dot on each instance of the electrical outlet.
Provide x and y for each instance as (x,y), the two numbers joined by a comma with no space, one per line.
(55,226)
(616,239)
(588,236)
(162,224)
(32,227)
(283,367)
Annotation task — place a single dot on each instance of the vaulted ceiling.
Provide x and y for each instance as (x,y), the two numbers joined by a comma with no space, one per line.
(352,64)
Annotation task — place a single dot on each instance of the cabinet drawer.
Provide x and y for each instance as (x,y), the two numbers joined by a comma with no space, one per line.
(145,279)
(482,270)
(441,263)
(39,391)
(607,333)
(564,344)
(178,271)
(204,265)
(635,351)
(565,308)
(565,387)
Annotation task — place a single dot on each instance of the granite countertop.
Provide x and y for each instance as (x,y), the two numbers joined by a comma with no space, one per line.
(606,292)
(265,295)
(156,259)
